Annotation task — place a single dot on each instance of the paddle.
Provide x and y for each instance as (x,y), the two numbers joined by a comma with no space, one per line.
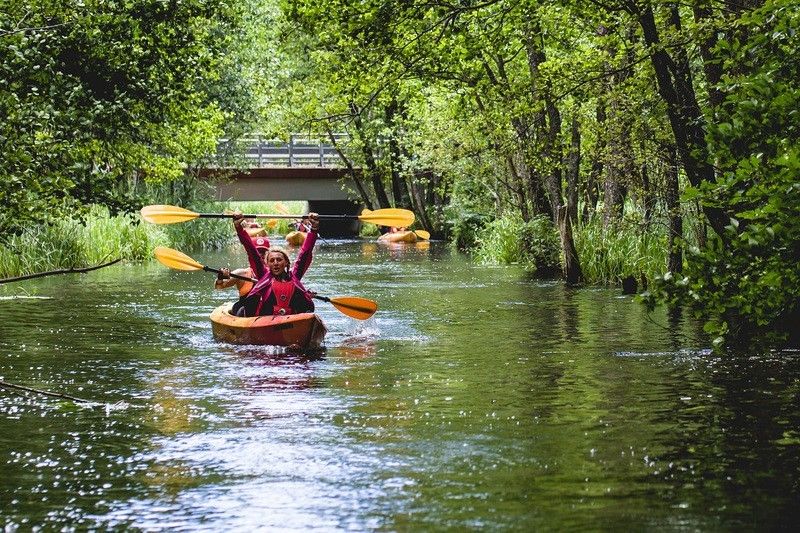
(421,233)
(352,306)
(170,214)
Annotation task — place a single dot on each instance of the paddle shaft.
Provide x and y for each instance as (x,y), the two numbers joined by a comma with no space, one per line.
(236,276)
(223,215)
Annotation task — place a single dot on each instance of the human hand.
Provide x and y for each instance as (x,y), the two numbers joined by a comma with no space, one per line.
(223,274)
(238,218)
(313,219)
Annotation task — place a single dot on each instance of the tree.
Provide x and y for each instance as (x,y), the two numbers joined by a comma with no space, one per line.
(746,282)
(99,95)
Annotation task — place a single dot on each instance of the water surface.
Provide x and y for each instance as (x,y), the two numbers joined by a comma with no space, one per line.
(475,398)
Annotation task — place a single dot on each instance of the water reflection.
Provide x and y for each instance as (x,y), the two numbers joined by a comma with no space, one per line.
(476,398)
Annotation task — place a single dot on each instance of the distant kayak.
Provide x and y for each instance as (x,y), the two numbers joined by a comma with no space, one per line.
(256,232)
(295,238)
(399,236)
(306,330)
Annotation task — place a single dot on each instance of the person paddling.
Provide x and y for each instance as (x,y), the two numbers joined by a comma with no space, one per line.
(224,280)
(278,290)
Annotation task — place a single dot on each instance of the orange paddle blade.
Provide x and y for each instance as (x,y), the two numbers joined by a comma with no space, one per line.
(391,216)
(355,307)
(167,214)
(175,259)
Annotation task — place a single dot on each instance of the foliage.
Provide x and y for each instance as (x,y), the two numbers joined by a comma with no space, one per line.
(97,96)
(746,283)
(74,243)
(613,253)
(465,229)
(100,236)
(509,239)
(471,113)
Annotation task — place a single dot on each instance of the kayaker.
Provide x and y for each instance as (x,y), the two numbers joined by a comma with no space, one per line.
(224,280)
(302,225)
(278,290)
(254,229)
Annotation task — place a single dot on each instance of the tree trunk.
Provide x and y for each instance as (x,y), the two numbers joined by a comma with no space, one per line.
(552,154)
(418,187)
(591,193)
(703,16)
(367,151)
(546,122)
(355,175)
(686,119)
(571,265)
(519,188)
(647,195)
(573,170)
(620,166)
(675,258)
(400,192)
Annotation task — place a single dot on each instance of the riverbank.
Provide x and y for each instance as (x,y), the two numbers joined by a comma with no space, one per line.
(625,250)
(100,237)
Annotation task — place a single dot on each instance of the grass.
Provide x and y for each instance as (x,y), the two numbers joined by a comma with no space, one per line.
(510,240)
(100,237)
(607,255)
(70,243)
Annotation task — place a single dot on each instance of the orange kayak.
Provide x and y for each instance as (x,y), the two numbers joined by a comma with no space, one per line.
(295,238)
(305,330)
(399,236)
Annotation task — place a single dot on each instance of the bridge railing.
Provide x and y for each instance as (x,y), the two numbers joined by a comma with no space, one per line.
(301,151)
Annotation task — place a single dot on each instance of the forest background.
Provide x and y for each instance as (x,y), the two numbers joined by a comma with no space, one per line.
(649,142)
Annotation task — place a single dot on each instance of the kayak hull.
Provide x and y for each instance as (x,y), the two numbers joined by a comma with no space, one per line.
(303,330)
(295,238)
(398,236)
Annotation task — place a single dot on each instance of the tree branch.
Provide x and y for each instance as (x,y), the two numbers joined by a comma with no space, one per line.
(8,385)
(62,271)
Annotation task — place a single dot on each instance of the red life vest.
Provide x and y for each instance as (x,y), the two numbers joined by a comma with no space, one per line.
(283,291)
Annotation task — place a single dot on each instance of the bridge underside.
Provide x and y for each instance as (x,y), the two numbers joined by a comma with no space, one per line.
(325,190)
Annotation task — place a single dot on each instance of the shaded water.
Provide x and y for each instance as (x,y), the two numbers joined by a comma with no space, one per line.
(475,398)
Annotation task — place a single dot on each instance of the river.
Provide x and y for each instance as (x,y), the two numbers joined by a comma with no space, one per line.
(476,398)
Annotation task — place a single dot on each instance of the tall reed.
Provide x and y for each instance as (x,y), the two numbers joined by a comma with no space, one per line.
(623,249)
(99,237)
(72,243)
(509,240)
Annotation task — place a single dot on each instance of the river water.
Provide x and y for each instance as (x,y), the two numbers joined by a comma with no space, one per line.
(476,398)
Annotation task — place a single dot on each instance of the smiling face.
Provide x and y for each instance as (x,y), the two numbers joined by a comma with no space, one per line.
(277,262)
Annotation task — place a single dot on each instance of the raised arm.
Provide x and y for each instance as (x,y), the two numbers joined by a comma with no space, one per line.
(306,253)
(256,264)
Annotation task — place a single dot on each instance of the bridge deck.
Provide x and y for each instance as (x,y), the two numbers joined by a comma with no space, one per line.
(281,183)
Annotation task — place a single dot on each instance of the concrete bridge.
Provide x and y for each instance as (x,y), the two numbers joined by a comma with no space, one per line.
(300,170)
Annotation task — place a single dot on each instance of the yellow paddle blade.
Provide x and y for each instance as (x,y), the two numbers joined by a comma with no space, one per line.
(422,234)
(167,214)
(271,223)
(391,216)
(355,307)
(175,259)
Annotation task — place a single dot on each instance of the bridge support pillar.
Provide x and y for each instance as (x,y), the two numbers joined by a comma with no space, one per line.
(337,227)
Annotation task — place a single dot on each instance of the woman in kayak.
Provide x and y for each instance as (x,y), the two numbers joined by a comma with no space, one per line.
(278,290)
(224,280)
